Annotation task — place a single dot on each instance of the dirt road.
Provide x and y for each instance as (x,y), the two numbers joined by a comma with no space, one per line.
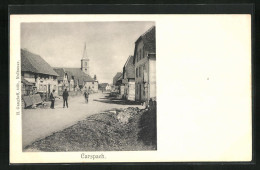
(39,123)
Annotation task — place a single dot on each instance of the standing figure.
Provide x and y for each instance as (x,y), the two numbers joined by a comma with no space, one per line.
(86,96)
(65,96)
(52,98)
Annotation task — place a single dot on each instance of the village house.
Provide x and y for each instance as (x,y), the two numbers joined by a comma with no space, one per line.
(129,79)
(117,81)
(37,76)
(77,79)
(145,66)
(104,87)
(120,85)
(74,79)
(116,77)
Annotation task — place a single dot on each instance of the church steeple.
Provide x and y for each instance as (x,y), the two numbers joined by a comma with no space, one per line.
(85,56)
(85,60)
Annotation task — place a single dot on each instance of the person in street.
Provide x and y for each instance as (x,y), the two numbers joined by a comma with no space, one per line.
(86,96)
(52,98)
(65,96)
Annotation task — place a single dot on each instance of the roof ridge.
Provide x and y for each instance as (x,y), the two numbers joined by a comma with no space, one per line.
(127,60)
(148,31)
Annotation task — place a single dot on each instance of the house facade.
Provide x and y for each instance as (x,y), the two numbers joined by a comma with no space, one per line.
(120,85)
(145,66)
(117,81)
(129,79)
(37,75)
(77,79)
(104,87)
(74,79)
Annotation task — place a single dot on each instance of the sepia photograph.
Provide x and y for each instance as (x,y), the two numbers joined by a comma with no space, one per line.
(88,86)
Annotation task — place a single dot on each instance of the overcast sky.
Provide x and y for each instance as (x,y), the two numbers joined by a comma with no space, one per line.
(61,44)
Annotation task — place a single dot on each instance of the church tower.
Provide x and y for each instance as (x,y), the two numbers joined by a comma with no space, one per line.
(85,61)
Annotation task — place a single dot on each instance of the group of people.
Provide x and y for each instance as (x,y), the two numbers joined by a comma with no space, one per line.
(65,96)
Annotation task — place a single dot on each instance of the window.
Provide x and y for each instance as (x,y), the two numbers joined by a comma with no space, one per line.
(136,72)
(137,56)
(140,71)
(143,52)
(140,54)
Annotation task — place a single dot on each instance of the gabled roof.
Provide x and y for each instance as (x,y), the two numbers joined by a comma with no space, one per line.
(129,68)
(149,41)
(26,82)
(120,78)
(74,73)
(116,77)
(60,72)
(103,85)
(34,63)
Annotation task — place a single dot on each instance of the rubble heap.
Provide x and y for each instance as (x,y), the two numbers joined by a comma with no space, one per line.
(112,130)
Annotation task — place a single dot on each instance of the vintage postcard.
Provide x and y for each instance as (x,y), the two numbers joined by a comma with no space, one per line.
(130,88)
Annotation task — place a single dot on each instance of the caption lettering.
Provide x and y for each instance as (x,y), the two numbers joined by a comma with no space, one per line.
(93,157)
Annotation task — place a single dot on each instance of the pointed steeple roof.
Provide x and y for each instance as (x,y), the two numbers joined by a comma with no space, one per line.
(85,56)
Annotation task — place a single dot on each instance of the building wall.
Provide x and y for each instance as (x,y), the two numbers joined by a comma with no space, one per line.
(95,86)
(29,77)
(108,88)
(152,78)
(141,66)
(85,65)
(46,85)
(43,83)
(91,86)
(122,89)
(131,90)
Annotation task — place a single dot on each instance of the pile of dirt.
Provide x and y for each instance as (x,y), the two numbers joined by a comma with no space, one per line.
(148,129)
(112,130)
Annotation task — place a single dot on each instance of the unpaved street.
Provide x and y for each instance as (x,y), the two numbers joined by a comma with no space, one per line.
(39,123)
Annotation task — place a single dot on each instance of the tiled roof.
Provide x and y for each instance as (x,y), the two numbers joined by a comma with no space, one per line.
(120,78)
(103,85)
(75,73)
(26,82)
(149,41)
(34,63)
(129,68)
(116,77)
(60,72)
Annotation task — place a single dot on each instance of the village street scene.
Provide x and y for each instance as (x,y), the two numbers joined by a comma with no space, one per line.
(88,86)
